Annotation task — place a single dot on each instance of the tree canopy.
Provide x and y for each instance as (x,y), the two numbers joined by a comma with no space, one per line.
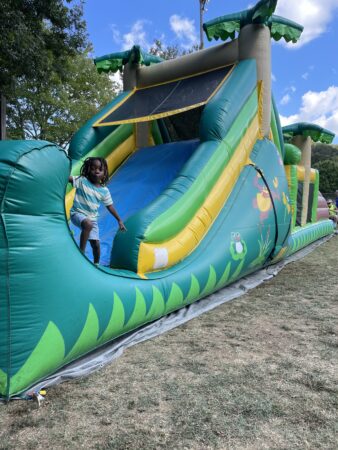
(325,159)
(37,36)
(169,51)
(328,175)
(54,108)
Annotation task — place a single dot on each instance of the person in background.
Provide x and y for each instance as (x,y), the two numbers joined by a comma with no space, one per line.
(337,200)
(332,211)
(91,190)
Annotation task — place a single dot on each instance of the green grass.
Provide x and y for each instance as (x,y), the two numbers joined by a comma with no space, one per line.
(256,373)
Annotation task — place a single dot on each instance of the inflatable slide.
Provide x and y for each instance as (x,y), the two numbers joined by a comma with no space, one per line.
(208,184)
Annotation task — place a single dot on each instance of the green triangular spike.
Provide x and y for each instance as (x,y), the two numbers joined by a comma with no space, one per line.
(139,313)
(116,321)
(238,270)
(87,337)
(193,291)
(158,305)
(3,383)
(224,278)
(209,287)
(47,356)
(175,299)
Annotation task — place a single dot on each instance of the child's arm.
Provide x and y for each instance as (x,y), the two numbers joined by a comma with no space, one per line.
(113,211)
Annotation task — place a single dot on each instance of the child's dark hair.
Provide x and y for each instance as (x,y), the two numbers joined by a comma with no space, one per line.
(85,169)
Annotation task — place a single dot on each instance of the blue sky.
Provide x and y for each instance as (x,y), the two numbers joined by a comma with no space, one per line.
(305,75)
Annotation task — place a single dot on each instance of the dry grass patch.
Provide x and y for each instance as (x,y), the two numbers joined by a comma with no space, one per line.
(257,373)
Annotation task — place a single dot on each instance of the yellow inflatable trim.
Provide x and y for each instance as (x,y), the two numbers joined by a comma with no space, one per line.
(114,160)
(153,256)
(300,174)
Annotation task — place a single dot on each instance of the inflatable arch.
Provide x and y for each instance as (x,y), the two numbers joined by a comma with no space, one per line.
(200,172)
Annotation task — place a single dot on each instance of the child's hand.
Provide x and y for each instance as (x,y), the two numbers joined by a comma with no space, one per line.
(122,226)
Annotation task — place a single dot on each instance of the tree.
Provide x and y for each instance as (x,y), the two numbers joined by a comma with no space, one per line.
(202,5)
(53,108)
(328,175)
(322,151)
(36,39)
(169,52)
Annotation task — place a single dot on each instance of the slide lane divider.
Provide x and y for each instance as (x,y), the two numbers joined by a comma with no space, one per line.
(155,256)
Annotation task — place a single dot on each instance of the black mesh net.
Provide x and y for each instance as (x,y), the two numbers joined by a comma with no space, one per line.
(167,98)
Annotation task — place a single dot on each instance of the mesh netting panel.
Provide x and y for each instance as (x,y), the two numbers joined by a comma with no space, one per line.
(168,98)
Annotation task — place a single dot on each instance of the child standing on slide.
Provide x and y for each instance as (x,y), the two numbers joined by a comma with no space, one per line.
(90,192)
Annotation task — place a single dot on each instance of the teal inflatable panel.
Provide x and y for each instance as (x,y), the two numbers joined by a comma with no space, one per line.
(87,137)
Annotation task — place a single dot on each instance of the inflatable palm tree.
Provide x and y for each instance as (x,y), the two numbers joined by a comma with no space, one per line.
(128,60)
(115,61)
(256,26)
(226,26)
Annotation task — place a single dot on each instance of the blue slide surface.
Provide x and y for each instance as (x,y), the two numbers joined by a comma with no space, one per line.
(137,182)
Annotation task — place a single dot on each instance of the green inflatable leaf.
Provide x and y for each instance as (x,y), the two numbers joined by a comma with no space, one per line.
(224,278)
(87,337)
(263,10)
(158,305)
(47,357)
(211,283)
(316,132)
(115,61)
(175,299)
(281,30)
(193,291)
(222,30)
(116,321)
(139,313)
(3,383)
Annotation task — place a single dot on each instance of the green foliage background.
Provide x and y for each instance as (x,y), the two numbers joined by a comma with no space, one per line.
(53,109)
(47,74)
(325,159)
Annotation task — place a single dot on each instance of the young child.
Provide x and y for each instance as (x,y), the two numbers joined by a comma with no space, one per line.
(332,211)
(90,192)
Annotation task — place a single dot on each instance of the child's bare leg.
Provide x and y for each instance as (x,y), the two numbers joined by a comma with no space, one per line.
(86,226)
(96,250)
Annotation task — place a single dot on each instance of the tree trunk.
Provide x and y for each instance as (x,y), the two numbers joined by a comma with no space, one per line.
(2,117)
(201,23)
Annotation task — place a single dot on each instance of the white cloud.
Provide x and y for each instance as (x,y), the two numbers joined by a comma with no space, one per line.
(116,80)
(184,29)
(136,36)
(273,77)
(305,75)
(314,15)
(285,100)
(320,108)
(116,33)
(289,90)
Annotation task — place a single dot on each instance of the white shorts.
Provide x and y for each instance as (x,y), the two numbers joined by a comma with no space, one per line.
(77,218)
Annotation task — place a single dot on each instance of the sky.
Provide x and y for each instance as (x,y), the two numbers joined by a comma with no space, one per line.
(304,75)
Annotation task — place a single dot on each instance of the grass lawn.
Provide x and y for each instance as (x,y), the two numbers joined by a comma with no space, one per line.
(257,373)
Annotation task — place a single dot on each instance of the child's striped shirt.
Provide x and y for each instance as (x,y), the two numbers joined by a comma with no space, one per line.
(88,198)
